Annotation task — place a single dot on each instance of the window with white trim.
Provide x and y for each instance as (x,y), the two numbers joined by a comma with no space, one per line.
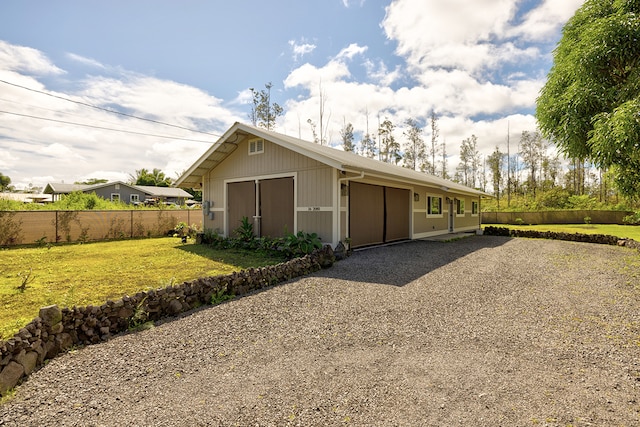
(134,198)
(434,206)
(115,197)
(256,146)
(474,208)
(460,207)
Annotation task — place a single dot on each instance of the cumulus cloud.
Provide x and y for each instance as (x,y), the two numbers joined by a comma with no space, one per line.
(544,21)
(115,141)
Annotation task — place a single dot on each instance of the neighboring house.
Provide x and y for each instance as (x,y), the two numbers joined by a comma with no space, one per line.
(58,189)
(284,184)
(123,192)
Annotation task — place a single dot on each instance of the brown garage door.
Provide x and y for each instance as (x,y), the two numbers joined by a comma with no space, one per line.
(378,214)
(241,202)
(366,214)
(397,205)
(276,207)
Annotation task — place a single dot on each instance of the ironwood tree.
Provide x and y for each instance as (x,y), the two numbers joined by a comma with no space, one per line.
(346,134)
(415,153)
(263,112)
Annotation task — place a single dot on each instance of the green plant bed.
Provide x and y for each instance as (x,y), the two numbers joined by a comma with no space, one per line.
(84,274)
(622,231)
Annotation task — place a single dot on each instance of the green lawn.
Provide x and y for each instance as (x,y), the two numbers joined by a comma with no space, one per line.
(627,231)
(84,274)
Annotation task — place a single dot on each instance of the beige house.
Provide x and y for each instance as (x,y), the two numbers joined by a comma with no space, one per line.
(284,184)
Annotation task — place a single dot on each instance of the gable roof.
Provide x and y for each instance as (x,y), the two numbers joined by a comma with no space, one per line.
(60,188)
(164,191)
(341,160)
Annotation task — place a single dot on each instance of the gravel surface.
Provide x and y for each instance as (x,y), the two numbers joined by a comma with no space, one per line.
(484,331)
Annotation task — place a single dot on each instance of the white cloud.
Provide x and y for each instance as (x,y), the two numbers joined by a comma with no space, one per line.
(85,61)
(379,72)
(301,49)
(60,151)
(78,151)
(26,60)
(544,21)
(349,3)
(350,51)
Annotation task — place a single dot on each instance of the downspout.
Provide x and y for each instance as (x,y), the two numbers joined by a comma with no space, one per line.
(339,199)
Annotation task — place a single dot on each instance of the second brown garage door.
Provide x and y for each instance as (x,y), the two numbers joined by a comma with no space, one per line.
(377,214)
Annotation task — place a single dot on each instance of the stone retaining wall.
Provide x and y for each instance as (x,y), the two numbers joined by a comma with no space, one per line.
(602,239)
(56,330)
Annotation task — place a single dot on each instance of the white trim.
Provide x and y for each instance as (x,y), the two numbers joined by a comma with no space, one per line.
(335,218)
(468,228)
(314,209)
(258,148)
(442,200)
(477,208)
(430,234)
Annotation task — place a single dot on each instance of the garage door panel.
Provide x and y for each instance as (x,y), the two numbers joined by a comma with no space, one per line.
(276,207)
(241,202)
(397,205)
(366,214)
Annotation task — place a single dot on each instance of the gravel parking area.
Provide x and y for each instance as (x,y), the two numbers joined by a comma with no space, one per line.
(483,331)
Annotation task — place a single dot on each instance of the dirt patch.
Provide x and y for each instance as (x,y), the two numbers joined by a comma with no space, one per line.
(480,331)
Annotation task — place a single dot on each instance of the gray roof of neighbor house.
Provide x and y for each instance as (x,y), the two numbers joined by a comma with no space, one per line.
(342,160)
(164,191)
(62,188)
(59,188)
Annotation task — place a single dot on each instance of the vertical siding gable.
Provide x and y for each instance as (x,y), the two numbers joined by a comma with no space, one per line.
(275,159)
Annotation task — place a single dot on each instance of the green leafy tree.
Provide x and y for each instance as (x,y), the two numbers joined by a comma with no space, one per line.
(590,102)
(155,178)
(5,182)
(263,112)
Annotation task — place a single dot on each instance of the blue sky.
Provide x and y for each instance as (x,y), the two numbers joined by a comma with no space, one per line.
(479,64)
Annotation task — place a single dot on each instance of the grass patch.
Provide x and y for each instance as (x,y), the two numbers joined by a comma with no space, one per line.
(622,231)
(83,274)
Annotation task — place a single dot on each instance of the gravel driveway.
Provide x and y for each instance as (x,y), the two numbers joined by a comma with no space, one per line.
(484,331)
